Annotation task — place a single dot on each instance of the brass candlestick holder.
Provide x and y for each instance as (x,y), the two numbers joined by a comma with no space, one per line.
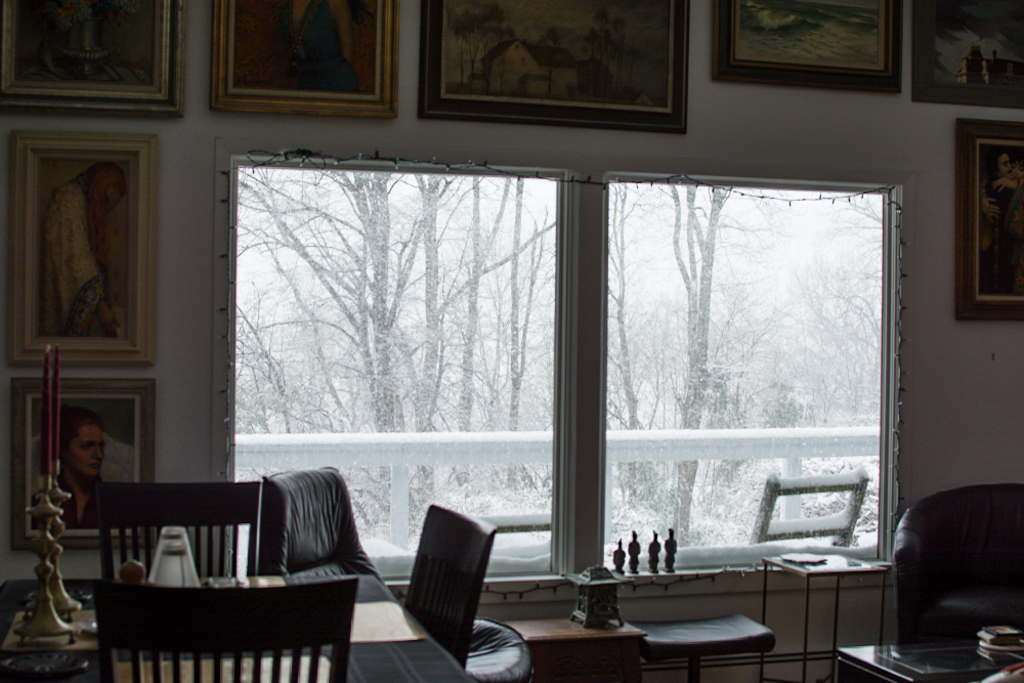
(43,617)
(63,603)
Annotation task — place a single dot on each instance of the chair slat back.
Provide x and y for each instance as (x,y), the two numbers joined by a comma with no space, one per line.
(193,634)
(448,576)
(220,518)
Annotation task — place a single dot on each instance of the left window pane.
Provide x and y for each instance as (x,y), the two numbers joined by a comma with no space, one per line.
(399,326)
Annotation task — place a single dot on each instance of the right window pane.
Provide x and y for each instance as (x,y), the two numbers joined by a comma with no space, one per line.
(745,347)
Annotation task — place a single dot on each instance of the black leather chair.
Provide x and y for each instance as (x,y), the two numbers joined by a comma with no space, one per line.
(307,528)
(498,654)
(958,563)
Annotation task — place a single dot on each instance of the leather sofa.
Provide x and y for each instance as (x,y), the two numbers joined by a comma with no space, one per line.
(958,563)
(307,528)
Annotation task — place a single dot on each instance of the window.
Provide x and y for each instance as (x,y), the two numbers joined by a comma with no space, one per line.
(413,325)
(745,339)
(399,326)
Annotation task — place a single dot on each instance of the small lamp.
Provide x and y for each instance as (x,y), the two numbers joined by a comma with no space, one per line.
(597,603)
(173,564)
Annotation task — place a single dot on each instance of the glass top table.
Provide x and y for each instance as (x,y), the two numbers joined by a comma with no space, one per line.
(950,662)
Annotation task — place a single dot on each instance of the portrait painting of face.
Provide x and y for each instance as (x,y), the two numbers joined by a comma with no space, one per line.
(105,434)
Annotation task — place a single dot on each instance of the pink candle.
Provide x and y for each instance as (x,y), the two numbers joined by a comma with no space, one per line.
(44,418)
(55,410)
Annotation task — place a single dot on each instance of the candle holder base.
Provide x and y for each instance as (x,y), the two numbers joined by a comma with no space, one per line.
(63,603)
(42,618)
(44,622)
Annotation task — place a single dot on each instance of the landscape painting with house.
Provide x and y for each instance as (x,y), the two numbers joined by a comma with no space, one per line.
(979,43)
(609,53)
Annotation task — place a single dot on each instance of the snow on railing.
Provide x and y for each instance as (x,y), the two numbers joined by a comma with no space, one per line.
(402,451)
(482,448)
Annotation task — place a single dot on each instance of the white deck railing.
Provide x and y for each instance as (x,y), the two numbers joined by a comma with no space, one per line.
(403,451)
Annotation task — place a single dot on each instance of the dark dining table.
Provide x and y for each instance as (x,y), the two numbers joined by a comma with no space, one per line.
(407,661)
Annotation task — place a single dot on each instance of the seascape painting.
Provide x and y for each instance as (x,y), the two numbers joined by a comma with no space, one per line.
(802,33)
(819,43)
(604,53)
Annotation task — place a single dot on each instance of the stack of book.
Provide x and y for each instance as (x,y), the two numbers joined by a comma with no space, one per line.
(1000,640)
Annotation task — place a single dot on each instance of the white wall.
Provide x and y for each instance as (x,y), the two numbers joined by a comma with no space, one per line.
(964,397)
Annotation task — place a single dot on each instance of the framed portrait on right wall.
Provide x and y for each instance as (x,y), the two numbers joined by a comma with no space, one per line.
(990,220)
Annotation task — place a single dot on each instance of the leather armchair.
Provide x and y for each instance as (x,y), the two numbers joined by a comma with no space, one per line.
(498,654)
(958,562)
(307,527)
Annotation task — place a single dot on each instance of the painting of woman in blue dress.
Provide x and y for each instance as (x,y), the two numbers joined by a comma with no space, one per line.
(323,47)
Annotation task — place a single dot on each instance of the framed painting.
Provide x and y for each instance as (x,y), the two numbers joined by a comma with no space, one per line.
(990,220)
(120,56)
(969,52)
(594,63)
(331,57)
(106,434)
(82,257)
(853,44)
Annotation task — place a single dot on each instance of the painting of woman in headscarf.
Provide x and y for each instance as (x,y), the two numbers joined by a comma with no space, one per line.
(82,256)
(82,252)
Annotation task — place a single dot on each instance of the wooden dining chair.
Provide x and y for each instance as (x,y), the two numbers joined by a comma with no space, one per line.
(448,576)
(221,519)
(156,633)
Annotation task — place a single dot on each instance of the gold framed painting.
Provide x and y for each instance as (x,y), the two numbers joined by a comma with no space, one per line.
(120,56)
(853,44)
(990,220)
(82,257)
(328,57)
(107,434)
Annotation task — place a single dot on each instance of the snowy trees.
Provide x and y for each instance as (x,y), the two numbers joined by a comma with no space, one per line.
(383,302)
(735,308)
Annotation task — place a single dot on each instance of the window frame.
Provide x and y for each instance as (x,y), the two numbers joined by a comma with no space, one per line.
(566,208)
(889,370)
(578,492)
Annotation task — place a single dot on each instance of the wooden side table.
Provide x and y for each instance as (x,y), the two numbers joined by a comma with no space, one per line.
(563,651)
